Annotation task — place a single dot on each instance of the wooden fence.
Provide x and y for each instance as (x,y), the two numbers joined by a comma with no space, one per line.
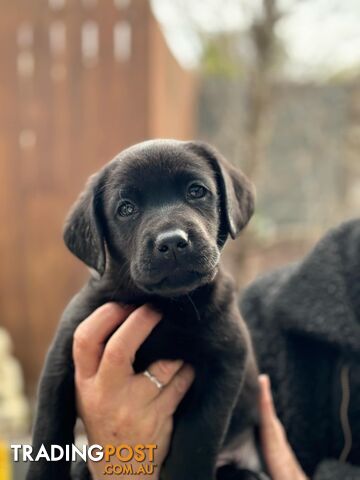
(79,80)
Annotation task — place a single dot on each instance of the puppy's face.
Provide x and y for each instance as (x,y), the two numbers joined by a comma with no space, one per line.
(161,210)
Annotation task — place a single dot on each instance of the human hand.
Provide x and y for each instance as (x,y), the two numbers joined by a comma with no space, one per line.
(116,405)
(279,456)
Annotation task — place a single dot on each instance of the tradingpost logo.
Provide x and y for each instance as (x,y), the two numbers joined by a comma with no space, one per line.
(119,460)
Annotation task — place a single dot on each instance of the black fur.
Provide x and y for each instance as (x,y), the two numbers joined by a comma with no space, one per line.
(201,322)
(304,321)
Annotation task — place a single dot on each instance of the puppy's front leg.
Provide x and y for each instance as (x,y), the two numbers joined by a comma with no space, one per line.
(200,431)
(56,412)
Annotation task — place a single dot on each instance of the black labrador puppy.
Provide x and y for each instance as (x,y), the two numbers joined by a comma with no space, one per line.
(151,225)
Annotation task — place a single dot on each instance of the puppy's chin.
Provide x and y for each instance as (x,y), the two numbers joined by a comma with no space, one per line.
(177,283)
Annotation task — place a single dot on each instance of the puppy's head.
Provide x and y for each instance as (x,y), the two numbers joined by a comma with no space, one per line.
(160,213)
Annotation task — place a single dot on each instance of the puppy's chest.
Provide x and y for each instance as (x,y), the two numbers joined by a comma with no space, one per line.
(180,335)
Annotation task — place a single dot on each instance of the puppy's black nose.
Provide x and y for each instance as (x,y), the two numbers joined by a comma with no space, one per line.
(174,240)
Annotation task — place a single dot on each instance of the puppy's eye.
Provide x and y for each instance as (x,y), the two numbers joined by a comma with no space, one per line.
(196,191)
(126,208)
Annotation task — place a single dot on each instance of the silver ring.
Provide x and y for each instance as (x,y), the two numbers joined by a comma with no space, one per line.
(153,379)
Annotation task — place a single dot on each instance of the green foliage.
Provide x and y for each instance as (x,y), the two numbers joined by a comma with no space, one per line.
(218,58)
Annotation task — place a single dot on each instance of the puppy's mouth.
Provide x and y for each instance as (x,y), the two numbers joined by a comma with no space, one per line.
(179,282)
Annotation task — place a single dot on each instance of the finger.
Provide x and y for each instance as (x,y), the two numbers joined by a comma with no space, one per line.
(269,419)
(279,456)
(272,432)
(91,334)
(174,392)
(163,371)
(122,346)
(268,415)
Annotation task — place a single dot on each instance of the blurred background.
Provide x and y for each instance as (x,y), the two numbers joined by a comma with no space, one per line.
(274,84)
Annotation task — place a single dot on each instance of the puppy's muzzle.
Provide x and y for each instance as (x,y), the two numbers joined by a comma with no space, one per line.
(174,260)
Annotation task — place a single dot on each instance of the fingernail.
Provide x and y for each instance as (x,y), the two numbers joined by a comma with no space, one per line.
(185,378)
(109,309)
(150,310)
(264,381)
(181,384)
(169,366)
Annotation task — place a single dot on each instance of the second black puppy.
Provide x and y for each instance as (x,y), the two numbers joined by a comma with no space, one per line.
(152,223)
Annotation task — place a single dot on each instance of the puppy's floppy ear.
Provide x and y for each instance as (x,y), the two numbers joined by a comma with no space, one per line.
(237,193)
(83,233)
